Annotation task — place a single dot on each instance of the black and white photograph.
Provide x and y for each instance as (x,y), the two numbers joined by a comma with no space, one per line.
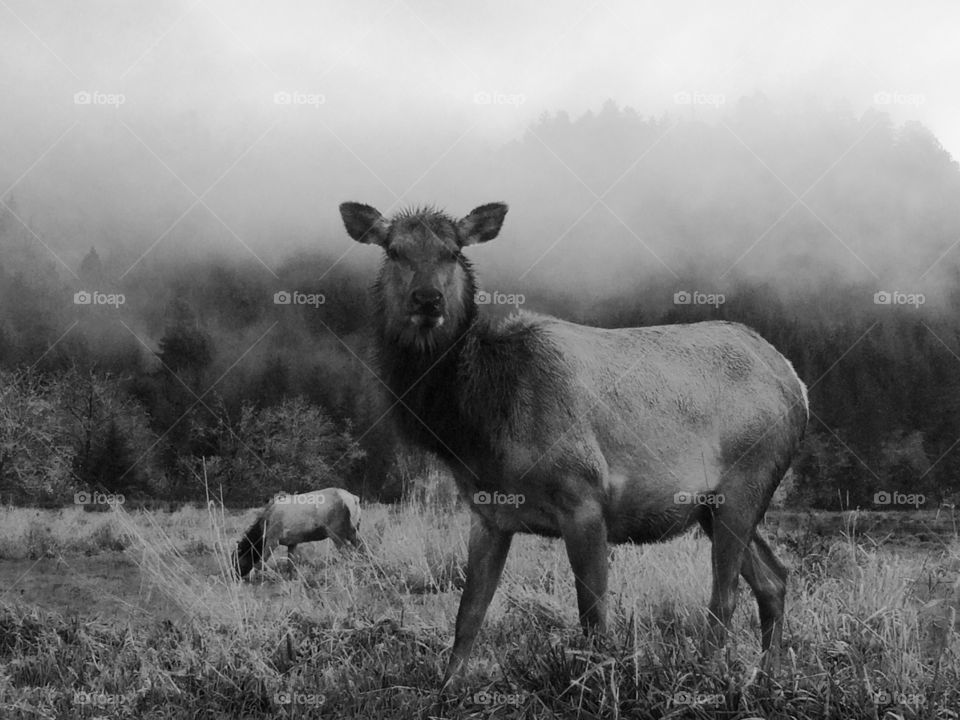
(399,359)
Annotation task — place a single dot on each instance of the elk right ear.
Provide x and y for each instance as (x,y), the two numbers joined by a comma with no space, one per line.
(364,223)
(482,224)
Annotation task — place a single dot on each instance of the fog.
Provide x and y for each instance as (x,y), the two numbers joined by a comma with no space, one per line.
(786,166)
(185,325)
(238,128)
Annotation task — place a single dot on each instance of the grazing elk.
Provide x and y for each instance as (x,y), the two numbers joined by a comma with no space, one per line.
(293,519)
(607,436)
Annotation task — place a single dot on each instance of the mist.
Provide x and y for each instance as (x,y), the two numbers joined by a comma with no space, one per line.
(788,167)
(238,129)
(743,219)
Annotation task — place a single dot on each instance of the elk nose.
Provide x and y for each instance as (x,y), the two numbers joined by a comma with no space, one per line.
(427,297)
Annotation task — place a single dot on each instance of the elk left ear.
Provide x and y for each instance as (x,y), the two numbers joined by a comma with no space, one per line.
(482,224)
(364,223)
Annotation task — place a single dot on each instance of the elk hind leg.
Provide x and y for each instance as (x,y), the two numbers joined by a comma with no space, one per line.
(767,577)
(731,538)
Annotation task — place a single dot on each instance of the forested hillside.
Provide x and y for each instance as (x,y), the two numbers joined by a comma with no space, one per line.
(832,235)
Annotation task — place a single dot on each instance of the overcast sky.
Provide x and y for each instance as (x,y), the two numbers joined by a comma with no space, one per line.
(118,116)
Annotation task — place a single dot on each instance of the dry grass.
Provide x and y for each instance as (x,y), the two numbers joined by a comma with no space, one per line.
(871,630)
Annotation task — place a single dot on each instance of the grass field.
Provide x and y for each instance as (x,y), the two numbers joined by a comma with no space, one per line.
(131,614)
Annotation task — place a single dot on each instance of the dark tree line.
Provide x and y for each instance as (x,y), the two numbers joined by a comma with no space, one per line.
(200,380)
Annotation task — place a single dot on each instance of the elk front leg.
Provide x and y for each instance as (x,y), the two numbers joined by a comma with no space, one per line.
(486,555)
(585,536)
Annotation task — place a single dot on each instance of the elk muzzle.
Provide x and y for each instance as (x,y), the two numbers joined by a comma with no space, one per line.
(427,306)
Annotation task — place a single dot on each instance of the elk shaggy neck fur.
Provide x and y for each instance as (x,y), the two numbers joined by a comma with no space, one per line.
(463,390)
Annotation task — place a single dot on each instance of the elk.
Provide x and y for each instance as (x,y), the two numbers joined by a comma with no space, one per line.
(607,435)
(293,519)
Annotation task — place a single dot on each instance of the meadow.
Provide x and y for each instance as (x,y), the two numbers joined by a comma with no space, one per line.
(133,614)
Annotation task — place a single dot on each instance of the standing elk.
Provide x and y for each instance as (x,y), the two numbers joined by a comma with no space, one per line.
(607,436)
(293,519)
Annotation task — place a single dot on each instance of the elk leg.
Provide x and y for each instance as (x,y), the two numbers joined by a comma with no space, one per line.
(767,577)
(271,541)
(730,543)
(486,555)
(585,536)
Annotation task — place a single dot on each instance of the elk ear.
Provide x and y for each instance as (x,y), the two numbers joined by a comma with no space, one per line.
(482,224)
(364,223)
